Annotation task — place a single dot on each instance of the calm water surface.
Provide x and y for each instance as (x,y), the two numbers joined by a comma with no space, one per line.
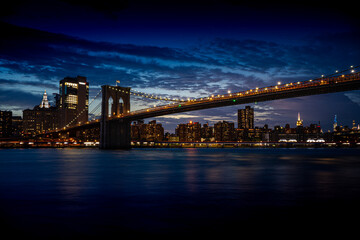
(83,193)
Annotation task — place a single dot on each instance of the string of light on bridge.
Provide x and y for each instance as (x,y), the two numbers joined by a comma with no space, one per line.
(82,111)
(255,90)
(152,96)
(156,97)
(213,96)
(229,94)
(134,93)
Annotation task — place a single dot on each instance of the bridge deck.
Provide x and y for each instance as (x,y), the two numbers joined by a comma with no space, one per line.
(290,90)
(311,87)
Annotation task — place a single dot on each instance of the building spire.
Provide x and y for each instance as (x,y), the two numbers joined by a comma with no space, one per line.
(335,124)
(44,103)
(299,122)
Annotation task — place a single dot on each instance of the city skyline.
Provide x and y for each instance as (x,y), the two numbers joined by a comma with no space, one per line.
(46,118)
(245,116)
(184,49)
(188,118)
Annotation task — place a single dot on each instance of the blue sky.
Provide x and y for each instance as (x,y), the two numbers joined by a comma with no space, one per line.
(182,48)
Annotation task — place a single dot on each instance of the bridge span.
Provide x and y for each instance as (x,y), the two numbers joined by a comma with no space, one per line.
(289,90)
(115,130)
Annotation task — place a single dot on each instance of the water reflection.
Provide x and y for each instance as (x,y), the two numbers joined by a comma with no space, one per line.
(74,173)
(171,190)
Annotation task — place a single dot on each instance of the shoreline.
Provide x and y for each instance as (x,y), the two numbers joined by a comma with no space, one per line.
(185,145)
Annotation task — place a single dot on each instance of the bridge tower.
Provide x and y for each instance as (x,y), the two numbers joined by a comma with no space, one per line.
(115,133)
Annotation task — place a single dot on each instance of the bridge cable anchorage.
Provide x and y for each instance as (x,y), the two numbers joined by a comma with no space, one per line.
(82,111)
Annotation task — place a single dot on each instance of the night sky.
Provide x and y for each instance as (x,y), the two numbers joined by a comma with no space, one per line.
(182,49)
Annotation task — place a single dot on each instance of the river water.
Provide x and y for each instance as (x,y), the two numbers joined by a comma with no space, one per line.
(83,193)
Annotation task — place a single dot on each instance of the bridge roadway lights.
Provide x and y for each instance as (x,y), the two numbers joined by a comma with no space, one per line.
(115,133)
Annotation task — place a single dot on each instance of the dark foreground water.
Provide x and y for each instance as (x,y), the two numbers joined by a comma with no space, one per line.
(84,193)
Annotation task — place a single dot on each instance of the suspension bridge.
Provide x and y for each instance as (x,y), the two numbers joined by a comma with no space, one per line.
(114,125)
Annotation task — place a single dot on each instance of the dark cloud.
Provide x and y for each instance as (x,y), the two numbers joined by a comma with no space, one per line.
(16,100)
(46,54)
(318,55)
(24,84)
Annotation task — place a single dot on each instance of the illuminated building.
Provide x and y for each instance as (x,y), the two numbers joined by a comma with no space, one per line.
(29,119)
(147,132)
(224,131)
(207,133)
(255,134)
(335,124)
(17,126)
(299,122)
(44,103)
(246,118)
(42,118)
(190,132)
(5,124)
(135,130)
(73,101)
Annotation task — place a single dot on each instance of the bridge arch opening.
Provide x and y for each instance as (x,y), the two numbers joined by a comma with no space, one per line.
(110,105)
(121,105)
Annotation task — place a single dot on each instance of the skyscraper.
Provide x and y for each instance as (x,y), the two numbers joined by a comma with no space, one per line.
(299,121)
(5,123)
(44,103)
(189,132)
(147,132)
(224,131)
(246,118)
(335,124)
(41,118)
(74,101)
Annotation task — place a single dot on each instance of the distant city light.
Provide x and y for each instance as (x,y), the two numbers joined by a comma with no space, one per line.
(219,98)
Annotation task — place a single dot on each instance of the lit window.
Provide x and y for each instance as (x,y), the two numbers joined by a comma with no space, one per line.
(72,101)
(73,85)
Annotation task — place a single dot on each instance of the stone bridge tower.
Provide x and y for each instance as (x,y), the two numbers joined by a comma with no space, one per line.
(115,133)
